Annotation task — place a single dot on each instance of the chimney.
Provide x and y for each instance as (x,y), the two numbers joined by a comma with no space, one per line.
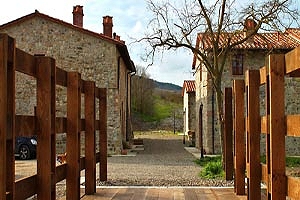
(116,37)
(249,26)
(78,16)
(107,26)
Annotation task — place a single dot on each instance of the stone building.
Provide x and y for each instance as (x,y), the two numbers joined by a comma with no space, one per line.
(189,116)
(99,57)
(248,55)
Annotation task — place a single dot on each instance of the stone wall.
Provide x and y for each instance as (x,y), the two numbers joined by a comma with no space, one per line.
(191,111)
(73,50)
(189,103)
(252,60)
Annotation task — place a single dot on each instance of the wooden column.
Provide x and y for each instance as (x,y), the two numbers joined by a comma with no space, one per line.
(73,135)
(90,145)
(228,134)
(239,136)
(267,135)
(53,130)
(7,116)
(103,133)
(253,134)
(45,69)
(277,126)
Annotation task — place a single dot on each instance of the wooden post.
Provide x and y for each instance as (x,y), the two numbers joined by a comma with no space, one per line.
(45,126)
(267,135)
(253,134)
(90,146)
(239,136)
(73,135)
(228,134)
(53,130)
(103,133)
(277,126)
(7,117)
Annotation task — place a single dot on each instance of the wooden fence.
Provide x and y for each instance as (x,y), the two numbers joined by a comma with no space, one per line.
(249,125)
(46,125)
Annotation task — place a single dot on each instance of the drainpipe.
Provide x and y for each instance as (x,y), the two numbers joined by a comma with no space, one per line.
(213,120)
(201,131)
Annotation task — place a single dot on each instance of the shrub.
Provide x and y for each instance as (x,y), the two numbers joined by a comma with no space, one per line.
(212,170)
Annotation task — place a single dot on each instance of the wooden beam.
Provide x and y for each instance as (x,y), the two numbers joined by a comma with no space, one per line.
(45,126)
(264,174)
(292,125)
(103,133)
(262,73)
(292,62)
(61,77)
(264,121)
(73,135)
(228,134)
(90,133)
(253,133)
(25,63)
(277,126)
(239,136)
(26,187)
(293,187)
(25,125)
(60,172)
(61,125)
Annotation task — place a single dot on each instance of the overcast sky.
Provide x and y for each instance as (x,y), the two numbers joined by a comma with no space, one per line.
(130,18)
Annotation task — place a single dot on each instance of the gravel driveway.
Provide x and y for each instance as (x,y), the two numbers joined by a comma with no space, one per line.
(163,162)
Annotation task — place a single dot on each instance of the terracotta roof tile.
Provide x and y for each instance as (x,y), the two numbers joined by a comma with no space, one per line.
(274,40)
(294,33)
(188,86)
(265,41)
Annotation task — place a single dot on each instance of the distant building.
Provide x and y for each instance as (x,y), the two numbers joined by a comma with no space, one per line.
(189,106)
(100,57)
(248,55)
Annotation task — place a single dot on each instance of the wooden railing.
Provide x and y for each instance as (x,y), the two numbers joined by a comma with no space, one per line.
(46,125)
(249,125)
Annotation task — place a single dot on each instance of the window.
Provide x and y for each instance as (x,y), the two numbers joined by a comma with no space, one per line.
(237,64)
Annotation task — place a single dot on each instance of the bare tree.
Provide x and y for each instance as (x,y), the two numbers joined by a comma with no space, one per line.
(176,24)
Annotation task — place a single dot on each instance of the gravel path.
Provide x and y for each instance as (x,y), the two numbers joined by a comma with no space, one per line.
(164,162)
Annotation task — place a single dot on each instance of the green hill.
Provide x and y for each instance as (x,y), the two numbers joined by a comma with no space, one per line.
(167,104)
(167,86)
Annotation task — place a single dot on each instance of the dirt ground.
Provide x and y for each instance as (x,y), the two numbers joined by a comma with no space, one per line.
(25,168)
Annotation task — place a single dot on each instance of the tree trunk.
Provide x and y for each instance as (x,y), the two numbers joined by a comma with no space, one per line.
(219,96)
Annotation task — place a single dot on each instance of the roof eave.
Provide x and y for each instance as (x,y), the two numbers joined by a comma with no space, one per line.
(126,57)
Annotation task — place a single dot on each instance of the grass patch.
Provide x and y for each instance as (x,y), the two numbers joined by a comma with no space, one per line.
(164,108)
(159,132)
(291,161)
(212,167)
(212,170)
(207,159)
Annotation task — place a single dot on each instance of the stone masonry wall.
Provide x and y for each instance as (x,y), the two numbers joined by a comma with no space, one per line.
(189,109)
(192,111)
(252,60)
(73,50)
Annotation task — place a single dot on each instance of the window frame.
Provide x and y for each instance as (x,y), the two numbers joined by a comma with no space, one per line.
(237,64)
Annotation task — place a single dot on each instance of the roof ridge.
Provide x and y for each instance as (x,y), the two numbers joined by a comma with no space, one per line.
(36,13)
